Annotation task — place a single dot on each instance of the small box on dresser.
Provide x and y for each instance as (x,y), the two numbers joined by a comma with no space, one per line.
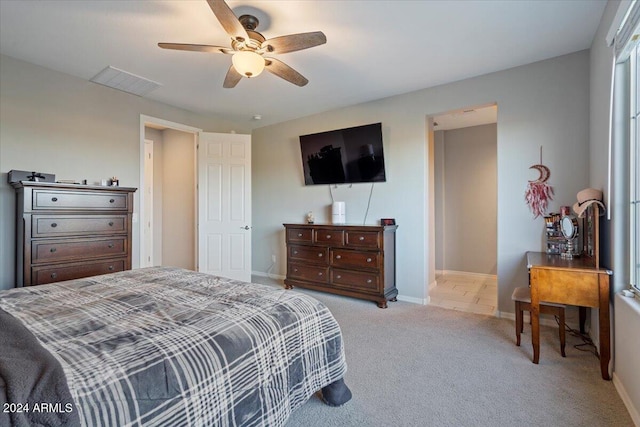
(67,231)
(350,260)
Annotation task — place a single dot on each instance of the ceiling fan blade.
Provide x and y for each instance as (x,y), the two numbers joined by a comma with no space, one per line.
(228,20)
(196,47)
(232,78)
(293,42)
(282,70)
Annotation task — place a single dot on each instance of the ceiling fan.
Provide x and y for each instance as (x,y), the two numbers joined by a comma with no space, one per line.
(249,47)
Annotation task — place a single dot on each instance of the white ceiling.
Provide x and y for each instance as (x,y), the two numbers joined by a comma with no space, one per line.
(374,49)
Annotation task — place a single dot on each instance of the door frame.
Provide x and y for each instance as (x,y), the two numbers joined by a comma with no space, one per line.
(431,204)
(147,258)
(158,123)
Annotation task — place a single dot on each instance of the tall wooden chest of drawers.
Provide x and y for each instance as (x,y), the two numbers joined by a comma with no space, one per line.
(356,261)
(67,231)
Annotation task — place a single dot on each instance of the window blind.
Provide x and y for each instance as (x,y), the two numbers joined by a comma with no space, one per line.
(628,32)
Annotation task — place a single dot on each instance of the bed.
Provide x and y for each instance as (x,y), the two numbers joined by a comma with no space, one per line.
(164,346)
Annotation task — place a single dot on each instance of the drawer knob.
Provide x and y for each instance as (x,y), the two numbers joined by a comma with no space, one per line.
(338,277)
(299,234)
(110,245)
(54,199)
(111,200)
(295,252)
(361,238)
(52,250)
(320,274)
(338,256)
(320,254)
(54,275)
(295,270)
(110,223)
(369,260)
(328,236)
(111,268)
(54,224)
(368,280)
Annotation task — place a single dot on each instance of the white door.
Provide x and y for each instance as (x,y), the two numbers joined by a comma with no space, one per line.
(224,205)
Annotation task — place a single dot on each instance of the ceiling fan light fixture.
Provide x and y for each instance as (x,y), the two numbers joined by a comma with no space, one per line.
(248,63)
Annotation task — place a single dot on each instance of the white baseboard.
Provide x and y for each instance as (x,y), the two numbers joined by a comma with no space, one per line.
(268,275)
(633,411)
(544,320)
(421,301)
(467,273)
(414,300)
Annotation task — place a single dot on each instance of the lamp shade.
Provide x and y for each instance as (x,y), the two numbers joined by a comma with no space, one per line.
(248,63)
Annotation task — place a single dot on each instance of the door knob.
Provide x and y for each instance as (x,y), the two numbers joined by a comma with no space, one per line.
(246,227)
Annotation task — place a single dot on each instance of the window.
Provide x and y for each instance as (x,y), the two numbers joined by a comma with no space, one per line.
(624,153)
(634,165)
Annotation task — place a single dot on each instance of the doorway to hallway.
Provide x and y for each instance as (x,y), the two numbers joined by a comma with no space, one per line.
(465,209)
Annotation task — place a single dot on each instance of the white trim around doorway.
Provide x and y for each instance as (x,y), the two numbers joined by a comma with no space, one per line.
(158,123)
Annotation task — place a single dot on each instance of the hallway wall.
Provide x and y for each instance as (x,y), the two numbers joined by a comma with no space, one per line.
(466,199)
(174,198)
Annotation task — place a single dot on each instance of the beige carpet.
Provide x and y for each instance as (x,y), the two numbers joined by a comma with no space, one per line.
(413,365)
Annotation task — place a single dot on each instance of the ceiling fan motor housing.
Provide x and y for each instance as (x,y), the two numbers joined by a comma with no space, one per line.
(254,43)
(250,23)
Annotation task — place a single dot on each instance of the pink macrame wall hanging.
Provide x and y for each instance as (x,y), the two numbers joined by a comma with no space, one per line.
(538,192)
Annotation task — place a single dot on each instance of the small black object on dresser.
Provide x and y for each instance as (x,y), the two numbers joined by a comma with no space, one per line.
(350,260)
(67,231)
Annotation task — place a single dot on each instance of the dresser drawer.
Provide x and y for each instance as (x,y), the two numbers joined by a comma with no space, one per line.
(357,280)
(78,200)
(60,272)
(363,239)
(351,258)
(299,235)
(68,249)
(308,272)
(329,237)
(70,225)
(313,254)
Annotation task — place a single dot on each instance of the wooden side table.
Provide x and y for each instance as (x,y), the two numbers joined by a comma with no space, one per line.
(573,282)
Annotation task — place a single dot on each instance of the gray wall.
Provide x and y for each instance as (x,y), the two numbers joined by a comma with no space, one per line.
(614,251)
(465,214)
(625,318)
(53,122)
(545,103)
(438,200)
(174,200)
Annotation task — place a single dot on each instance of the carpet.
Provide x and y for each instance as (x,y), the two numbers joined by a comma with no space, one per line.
(413,365)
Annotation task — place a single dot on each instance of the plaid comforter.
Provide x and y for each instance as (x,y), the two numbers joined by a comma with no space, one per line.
(166,346)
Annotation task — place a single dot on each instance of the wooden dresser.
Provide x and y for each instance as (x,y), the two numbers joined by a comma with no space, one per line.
(67,231)
(356,261)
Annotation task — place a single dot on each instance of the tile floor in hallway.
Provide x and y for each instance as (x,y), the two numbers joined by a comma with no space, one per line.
(474,293)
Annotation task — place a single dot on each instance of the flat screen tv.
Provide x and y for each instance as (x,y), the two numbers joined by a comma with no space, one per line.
(343,156)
